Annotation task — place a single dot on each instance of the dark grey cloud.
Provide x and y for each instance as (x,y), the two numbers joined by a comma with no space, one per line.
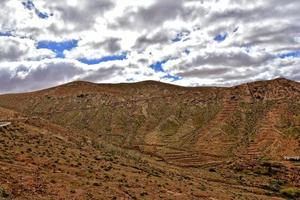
(295,76)
(12,80)
(3,2)
(14,49)
(153,16)
(160,12)
(248,74)
(10,50)
(111,45)
(27,77)
(273,21)
(144,41)
(228,59)
(204,72)
(231,76)
(82,16)
(245,12)
(283,35)
(291,71)
(103,74)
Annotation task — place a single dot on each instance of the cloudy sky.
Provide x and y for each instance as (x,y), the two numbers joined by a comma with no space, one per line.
(185,42)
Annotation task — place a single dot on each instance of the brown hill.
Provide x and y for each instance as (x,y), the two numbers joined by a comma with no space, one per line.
(234,138)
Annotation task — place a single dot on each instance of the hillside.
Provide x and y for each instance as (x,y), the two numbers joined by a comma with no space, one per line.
(199,143)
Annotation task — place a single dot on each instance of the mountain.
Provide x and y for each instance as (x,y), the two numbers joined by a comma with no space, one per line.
(84,140)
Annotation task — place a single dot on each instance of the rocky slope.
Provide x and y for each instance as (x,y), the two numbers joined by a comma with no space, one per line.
(233,138)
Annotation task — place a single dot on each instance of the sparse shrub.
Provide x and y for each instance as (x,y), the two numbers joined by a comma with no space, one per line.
(53,181)
(144,194)
(212,170)
(98,158)
(274,185)
(107,177)
(72,191)
(96,184)
(290,192)
(3,194)
(108,168)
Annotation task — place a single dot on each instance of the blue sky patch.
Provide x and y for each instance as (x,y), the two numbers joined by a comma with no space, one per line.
(172,77)
(130,79)
(187,52)
(177,38)
(180,36)
(247,48)
(293,54)
(220,37)
(5,34)
(87,61)
(58,47)
(41,15)
(30,6)
(158,66)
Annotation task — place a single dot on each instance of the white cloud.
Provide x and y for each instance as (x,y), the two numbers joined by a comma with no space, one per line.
(257,31)
(18,49)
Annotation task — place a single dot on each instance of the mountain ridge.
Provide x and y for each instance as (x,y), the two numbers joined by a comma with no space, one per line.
(242,131)
(153,83)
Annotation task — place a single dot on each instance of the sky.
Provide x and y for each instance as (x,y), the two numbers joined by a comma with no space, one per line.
(184,42)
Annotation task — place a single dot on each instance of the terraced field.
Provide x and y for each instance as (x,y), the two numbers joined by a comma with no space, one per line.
(88,141)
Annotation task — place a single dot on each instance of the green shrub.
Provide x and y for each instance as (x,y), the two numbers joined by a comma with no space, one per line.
(3,194)
(275,185)
(290,192)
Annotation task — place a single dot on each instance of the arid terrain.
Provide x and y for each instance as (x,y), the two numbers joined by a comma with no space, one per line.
(151,140)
